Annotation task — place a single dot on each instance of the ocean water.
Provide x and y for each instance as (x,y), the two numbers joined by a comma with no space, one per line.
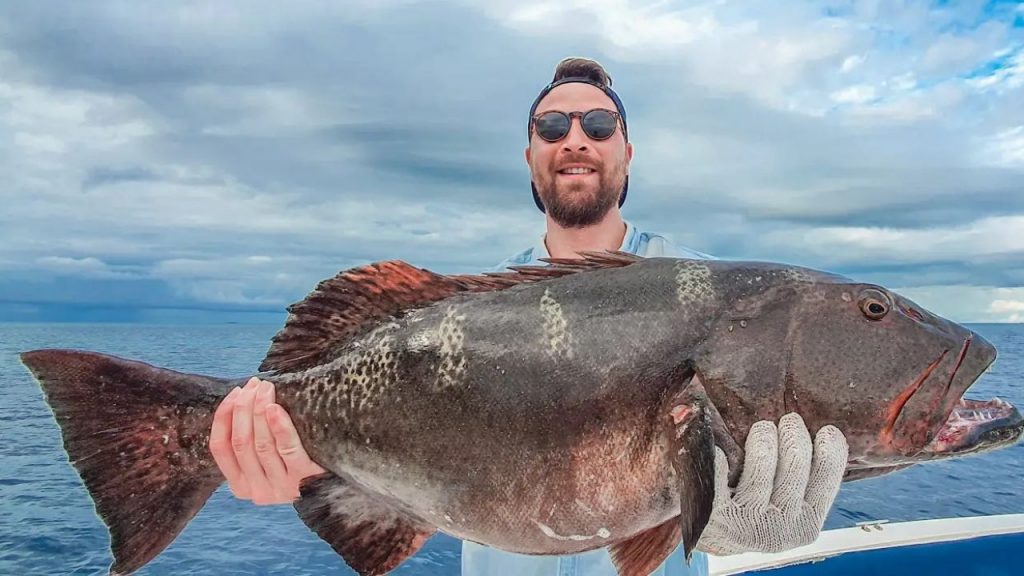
(48,525)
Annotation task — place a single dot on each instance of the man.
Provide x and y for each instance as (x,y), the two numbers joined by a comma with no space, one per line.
(579,155)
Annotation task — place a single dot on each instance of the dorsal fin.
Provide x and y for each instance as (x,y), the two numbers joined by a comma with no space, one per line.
(342,307)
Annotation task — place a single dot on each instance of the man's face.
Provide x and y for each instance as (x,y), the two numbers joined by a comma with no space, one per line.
(578,200)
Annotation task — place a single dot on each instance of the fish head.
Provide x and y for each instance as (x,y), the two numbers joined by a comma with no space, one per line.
(887,372)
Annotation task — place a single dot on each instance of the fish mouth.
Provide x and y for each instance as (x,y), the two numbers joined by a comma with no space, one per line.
(970,426)
(975,426)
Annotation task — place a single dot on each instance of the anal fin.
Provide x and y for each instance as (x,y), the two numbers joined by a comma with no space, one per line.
(370,535)
(643,553)
(692,454)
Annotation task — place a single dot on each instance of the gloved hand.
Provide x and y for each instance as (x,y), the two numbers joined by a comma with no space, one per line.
(784,492)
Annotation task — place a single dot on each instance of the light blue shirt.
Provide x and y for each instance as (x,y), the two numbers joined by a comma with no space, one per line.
(479,560)
(647,244)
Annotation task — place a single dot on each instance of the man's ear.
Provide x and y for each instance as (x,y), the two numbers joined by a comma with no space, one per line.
(527,154)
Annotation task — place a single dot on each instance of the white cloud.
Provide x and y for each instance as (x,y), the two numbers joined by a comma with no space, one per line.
(75,118)
(763,54)
(851,62)
(262,110)
(953,53)
(845,245)
(1006,306)
(859,94)
(88,267)
(1005,149)
(905,104)
(902,83)
(1007,76)
(969,303)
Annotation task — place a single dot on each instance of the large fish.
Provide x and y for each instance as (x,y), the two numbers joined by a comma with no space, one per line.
(545,410)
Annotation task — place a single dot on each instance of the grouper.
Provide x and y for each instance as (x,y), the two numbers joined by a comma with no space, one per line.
(513,409)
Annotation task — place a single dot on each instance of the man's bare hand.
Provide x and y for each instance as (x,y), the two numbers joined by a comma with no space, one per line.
(257,448)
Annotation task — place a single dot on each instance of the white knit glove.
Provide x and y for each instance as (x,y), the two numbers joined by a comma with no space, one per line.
(784,493)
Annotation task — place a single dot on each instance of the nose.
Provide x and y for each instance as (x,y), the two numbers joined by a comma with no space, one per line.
(576,139)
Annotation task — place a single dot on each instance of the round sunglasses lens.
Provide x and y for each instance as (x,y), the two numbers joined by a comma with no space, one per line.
(599,124)
(552,126)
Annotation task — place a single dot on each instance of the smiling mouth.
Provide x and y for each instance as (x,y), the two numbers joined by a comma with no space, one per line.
(576,171)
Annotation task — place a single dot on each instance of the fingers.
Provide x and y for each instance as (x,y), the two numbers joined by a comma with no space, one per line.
(266,447)
(755,485)
(794,465)
(220,446)
(831,452)
(289,446)
(244,446)
(722,491)
(256,446)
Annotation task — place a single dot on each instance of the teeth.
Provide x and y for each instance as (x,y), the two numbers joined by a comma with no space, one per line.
(577,171)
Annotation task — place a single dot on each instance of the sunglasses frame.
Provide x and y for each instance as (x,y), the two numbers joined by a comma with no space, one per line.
(571,116)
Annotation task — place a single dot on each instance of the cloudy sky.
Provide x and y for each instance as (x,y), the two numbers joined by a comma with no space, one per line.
(187,161)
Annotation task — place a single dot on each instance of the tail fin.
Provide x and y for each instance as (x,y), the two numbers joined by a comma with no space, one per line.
(138,436)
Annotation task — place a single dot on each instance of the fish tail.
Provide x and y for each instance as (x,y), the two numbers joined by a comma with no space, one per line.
(138,436)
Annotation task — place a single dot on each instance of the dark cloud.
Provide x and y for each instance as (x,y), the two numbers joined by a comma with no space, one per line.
(346,133)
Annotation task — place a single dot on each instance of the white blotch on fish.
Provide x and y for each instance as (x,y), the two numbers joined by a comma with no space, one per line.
(556,329)
(601,533)
(693,283)
(451,335)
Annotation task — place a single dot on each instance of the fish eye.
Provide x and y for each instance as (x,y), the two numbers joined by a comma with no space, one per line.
(874,304)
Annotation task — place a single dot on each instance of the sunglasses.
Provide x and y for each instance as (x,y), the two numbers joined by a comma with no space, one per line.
(598,124)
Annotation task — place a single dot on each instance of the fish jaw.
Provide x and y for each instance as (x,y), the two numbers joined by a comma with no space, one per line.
(975,426)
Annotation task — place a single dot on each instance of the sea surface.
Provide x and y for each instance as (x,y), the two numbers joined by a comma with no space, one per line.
(48,525)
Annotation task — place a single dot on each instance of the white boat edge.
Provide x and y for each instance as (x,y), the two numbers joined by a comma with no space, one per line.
(871,535)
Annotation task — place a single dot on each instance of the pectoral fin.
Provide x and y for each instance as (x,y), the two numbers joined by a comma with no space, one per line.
(692,454)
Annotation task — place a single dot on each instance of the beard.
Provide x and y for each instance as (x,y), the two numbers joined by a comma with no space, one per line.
(580,204)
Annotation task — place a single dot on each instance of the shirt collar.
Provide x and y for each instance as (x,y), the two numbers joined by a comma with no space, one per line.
(630,242)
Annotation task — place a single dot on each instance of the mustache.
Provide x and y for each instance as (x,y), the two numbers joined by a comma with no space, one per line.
(577,159)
